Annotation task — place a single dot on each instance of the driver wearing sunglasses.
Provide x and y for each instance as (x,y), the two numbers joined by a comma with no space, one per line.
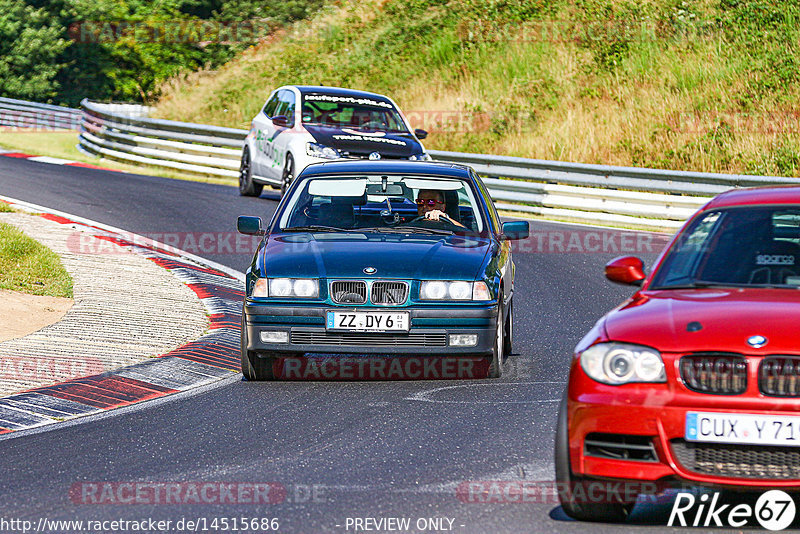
(431,205)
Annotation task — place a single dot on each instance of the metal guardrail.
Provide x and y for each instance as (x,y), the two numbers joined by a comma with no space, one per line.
(653,198)
(649,198)
(24,115)
(129,136)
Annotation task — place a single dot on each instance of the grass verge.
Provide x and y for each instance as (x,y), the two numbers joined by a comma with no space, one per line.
(28,266)
(62,145)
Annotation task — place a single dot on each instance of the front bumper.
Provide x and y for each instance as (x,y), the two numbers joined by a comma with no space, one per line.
(656,414)
(429,333)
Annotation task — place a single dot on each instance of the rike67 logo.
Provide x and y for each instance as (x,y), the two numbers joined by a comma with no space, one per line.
(774,510)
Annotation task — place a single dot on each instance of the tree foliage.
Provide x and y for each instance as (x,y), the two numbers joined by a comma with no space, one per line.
(31,44)
(66,50)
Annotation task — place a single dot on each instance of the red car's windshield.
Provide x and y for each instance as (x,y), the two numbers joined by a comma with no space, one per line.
(748,246)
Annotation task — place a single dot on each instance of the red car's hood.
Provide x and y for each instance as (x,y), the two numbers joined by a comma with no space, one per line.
(728,317)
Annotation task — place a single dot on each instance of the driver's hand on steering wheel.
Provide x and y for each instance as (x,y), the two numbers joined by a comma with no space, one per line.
(434,215)
(437,215)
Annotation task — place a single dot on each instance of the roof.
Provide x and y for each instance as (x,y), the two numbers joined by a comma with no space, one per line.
(389,167)
(778,194)
(339,91)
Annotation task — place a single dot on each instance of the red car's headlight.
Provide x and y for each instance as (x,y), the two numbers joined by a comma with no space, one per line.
(623,363)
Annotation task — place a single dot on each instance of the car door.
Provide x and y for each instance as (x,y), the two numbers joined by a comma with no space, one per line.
(504,261)
(264,130)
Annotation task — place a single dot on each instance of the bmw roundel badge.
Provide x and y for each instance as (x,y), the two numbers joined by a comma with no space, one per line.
(757,341)
(370,270)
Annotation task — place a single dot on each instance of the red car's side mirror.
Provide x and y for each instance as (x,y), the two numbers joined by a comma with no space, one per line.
(627,270)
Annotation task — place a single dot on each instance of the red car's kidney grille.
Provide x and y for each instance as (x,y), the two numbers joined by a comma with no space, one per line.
(779,376)
(739,461)
(718,374)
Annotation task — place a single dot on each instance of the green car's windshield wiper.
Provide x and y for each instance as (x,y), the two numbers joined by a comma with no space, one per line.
(421,230)
(405,230)
(313,228)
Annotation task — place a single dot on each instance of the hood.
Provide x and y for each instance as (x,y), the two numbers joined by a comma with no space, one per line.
(328,255)
(361,143)
(728,318)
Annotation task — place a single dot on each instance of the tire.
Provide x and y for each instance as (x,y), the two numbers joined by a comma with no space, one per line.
(254,368)
(288,174)
(568,484)
(248,188)
(508,336)
(496,365)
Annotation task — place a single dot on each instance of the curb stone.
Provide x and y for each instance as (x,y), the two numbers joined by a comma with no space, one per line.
(210,358)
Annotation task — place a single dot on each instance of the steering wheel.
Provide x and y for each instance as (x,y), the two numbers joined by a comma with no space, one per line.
(443,218)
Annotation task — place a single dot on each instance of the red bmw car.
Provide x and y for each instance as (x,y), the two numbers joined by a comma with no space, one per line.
(695,379)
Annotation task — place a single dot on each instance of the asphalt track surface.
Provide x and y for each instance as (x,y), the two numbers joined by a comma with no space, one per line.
(369,449)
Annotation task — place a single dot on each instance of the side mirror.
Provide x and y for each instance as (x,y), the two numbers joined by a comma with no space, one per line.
(421,134)
(627,270)
(281,121)
(516,230)
(249,225)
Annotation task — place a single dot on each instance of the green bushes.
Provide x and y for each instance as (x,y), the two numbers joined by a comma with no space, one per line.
(65,50)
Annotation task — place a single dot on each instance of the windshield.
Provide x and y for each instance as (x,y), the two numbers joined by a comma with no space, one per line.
(351,112)
(757,247)
(375,203)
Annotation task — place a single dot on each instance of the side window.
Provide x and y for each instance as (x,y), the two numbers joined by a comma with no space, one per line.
(269,107)
(287,105)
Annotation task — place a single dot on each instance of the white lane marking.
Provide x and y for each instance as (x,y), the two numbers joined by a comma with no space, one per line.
(48,159)
(424,396)
(139,239)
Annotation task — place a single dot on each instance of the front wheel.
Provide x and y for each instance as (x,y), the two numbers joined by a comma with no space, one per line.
(288,174)
(496,366)
(247,187)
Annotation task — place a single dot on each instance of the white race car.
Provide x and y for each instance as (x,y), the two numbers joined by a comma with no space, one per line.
(300,125)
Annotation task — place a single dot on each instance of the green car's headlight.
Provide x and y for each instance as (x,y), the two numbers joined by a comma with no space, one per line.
(286,287)
(453,290)
(623,363)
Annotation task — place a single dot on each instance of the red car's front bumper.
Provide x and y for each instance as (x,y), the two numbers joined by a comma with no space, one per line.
(658,412)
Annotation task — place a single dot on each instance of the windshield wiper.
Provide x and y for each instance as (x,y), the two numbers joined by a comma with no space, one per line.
(313,228)
(701,284)
(405,230)
(421,230)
